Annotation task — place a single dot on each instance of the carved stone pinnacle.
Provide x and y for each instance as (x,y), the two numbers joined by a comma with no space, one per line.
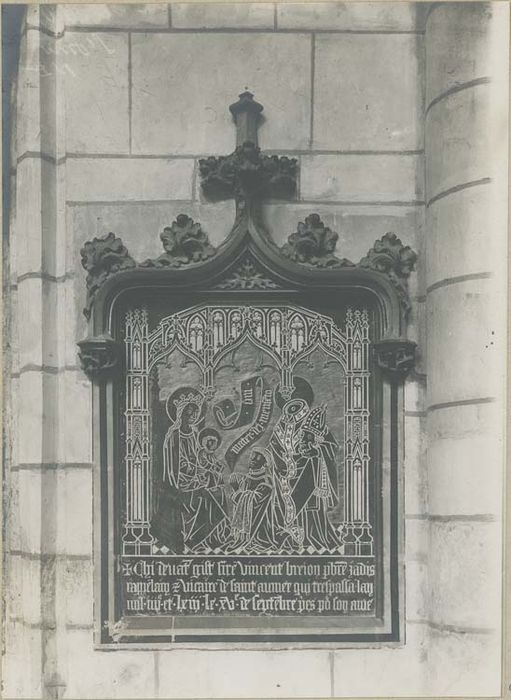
(392,258)
(184,243)
(103,257)
(313,244)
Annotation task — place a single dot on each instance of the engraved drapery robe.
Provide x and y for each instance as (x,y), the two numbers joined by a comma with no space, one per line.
(252,522)
(194,492)
(313,494)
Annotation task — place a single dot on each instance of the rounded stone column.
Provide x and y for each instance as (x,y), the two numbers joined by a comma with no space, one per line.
(466,220)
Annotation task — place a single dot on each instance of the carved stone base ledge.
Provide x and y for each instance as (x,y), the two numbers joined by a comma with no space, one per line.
(395,357)
(99,356)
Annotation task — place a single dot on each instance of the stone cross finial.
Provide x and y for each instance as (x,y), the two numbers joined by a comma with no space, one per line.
(247,174)
(247,115)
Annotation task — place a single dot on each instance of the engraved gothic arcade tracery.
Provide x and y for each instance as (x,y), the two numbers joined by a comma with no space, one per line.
(206,335)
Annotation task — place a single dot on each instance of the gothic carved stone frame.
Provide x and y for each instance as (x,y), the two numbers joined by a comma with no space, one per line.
(357,314)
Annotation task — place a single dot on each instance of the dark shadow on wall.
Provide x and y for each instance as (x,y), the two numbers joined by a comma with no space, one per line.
(12,22)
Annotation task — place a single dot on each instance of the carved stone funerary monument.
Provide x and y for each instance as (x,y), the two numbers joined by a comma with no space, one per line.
(247,423)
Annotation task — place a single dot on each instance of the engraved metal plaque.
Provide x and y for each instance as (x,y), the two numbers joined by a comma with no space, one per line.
(250,494)
(246,484)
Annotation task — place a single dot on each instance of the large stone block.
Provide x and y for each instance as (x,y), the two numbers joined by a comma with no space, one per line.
(11,539)
(29,241)
(33,16)
(21,664)
(50,262)
(464,665)
(186,82)
(51,19)
(30,590)
(466,342)
(239,673)
(465,571)
(416,591)
(13,582)
(198,15)
(415,472)
(371,16)
(66,318)
(78,587)
(460,239)
(11,402)
(354,76)
(11,274)
(30,510)
(74,311)
(98,674)
(416,539)
(458,44)
(414,395)
(11,363)
(362,178)
(77,504)
(124,179)
(465,460)
(52,68)
(54,506)
(460,135)
(96,70)
(30,418)
(37,322)
(129,16)
(383,672)
(50,328)
(75,435)
(416,321)
(28,95)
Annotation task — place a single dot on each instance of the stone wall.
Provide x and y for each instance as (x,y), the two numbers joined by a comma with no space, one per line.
(466,212)
(115,105)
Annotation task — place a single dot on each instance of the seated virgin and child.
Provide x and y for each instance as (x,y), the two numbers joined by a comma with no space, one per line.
(192,513)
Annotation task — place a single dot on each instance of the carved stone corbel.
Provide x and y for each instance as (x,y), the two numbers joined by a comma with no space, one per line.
(395,357)
(99,356)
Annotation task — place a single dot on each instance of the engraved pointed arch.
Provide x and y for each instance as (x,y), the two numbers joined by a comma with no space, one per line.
(207,333)
(249,336)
